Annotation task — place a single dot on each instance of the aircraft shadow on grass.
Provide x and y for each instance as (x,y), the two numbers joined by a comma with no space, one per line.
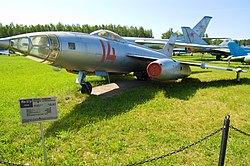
(198,72)
(95,108)
(187,88)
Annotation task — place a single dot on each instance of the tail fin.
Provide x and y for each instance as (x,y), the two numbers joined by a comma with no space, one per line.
(191,37)
(201,27)
(236,50)
(168,48)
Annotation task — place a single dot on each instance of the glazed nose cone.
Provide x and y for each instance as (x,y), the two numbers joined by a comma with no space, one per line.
(4,43)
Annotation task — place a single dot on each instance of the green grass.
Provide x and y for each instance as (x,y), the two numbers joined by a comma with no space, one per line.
(138,124)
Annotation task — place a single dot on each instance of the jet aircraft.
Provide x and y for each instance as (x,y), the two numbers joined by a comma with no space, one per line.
(4,52)
(195,43)
(199,45)
(191,41)
(238,53)
(199,29)
(102,52)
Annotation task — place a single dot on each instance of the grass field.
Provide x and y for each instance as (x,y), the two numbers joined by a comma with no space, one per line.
(138,124)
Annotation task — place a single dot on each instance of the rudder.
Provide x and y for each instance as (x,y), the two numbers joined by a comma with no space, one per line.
(191,37)
(201,26)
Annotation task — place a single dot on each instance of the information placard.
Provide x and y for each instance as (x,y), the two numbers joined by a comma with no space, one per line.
(38,109)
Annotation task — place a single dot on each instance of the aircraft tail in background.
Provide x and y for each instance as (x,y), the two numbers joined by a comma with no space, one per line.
(237,53)
(191,37)
(236,50)
(201,26)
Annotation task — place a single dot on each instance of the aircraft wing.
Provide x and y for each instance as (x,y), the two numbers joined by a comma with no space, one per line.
(204,66)
(201,65)
(142,57)
(177,44)
(152,41)
(202,47)
(235,58)
(183,45)
(222,49)
(191,45)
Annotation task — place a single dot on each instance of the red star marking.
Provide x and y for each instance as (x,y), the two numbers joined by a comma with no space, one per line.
(192,34)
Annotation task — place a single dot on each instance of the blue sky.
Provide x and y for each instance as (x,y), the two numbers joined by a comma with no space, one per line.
(230,18)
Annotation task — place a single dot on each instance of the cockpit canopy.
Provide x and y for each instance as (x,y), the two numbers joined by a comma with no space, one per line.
(109,35)
(43,46)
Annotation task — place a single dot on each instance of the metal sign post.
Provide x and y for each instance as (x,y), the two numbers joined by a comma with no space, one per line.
(44,149)
(39,110)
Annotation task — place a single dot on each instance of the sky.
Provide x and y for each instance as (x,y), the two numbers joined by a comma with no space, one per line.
(230,18)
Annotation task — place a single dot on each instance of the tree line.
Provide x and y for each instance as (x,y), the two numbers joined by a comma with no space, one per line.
(244,42)
(16,29)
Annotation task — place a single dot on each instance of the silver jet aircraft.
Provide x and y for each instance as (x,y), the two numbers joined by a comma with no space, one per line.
(102,52)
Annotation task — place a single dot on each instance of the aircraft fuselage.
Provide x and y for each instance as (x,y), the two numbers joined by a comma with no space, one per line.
(82,52)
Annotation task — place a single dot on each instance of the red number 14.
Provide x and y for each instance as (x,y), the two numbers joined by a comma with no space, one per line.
(109,56)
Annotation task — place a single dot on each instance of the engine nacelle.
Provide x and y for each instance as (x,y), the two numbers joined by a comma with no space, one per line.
(167,69)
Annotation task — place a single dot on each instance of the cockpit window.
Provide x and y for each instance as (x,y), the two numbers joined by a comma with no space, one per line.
(40,41)
(108,34)
(40,46)
(54,42)
(45,47)
(55,45)
(71,45)
(21,44)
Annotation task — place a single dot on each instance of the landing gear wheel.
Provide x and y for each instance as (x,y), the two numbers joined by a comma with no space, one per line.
(141,76)
(218,57)
(86,88)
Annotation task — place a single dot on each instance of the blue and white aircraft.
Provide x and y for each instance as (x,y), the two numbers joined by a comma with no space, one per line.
(238,53)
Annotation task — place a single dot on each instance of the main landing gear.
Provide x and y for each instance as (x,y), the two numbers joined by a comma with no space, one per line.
(141,75)
(86,87)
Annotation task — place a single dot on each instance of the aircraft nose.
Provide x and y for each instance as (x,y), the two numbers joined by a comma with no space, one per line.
(4,43)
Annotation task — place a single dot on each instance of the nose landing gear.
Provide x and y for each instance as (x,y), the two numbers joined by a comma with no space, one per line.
(86,88)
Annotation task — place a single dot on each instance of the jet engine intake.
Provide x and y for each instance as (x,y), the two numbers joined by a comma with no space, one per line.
(167,69)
